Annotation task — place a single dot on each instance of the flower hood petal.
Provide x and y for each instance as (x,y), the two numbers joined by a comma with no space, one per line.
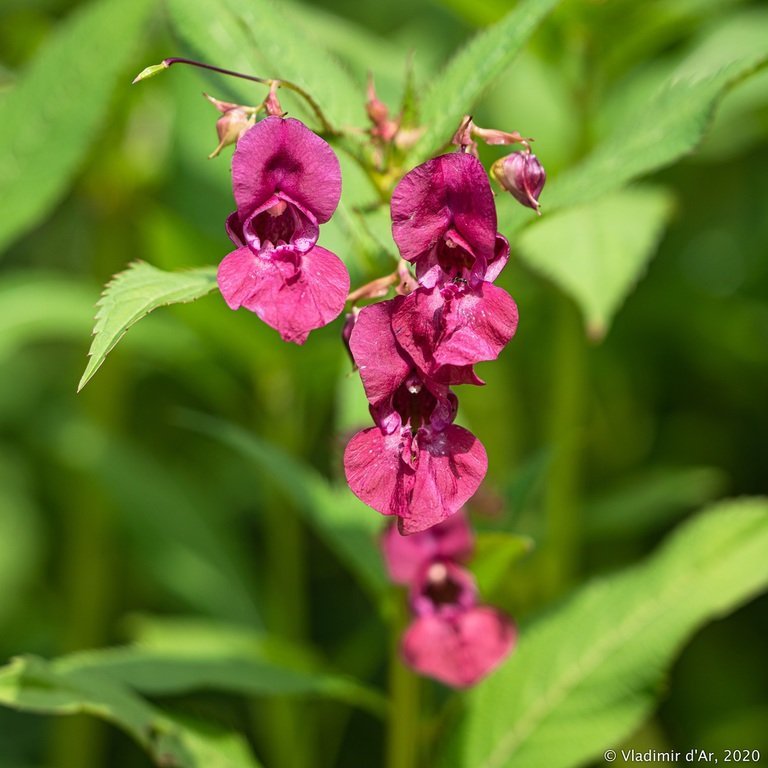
(283,155)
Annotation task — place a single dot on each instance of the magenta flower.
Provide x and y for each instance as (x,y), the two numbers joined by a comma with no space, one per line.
(452,638)
(382,362)
(444,221)
(406,556)
(455,325)
(287,181)
(415,463)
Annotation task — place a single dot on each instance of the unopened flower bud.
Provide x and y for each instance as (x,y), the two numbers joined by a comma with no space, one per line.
(272,104)
(523,176)
(384,128)
(463,136)
(230,127)
(346,330)
(235,120)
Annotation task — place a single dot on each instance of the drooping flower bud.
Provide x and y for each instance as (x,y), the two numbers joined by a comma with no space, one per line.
(235,120)
(272,104)
(384,128)
(523,176)
(346,331)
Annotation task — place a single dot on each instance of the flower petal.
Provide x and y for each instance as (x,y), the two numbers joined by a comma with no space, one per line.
(499,260)
(375,472)
(459,650)
(450,190)
(294,229)
(382,366)
(459,330)
(451,465)
(293,299)
(406,555)
(283,155)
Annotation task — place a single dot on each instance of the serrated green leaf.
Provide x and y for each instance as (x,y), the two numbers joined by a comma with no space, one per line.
(597,252)
(455,91)
(585,676)
(49,117)
(347,525)
(134,293)
(30,684)
(653,134)
(273,47)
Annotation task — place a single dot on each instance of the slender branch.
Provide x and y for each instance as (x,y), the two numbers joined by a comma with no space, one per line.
(167,63)
(314,106)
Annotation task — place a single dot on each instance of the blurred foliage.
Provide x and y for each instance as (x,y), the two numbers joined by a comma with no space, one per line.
(178,536)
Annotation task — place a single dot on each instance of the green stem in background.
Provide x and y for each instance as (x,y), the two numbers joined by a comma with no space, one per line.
(87,571)
(561,557)
(286,724)
(404,690)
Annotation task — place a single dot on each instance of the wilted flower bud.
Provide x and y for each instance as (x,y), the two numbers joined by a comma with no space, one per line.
(523,176)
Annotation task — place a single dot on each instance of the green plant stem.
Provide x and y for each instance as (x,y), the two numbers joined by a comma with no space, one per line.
(565,433)
(87,573)
(404,688)
(284,722)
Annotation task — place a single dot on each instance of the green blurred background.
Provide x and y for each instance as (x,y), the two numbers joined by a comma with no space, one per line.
(118,506)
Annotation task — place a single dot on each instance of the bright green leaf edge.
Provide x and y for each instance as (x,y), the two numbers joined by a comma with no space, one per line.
(259,38)
(598,252)
(584,677)
(49,117)
(133,294)
(456,90)
(30,684)
(256,671)
(670,127)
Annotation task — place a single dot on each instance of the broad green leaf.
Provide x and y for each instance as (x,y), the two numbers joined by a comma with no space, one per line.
(347,525)
(495,553)
(135,293)
(30,684)
(49,117)
(457,89)
(258,670)
(261,37)
(596,253)
(652,135)
(586,675)
(651,501)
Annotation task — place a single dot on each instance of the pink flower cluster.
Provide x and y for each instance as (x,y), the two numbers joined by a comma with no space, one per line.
(452,637)
(286,181)
(416,463)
